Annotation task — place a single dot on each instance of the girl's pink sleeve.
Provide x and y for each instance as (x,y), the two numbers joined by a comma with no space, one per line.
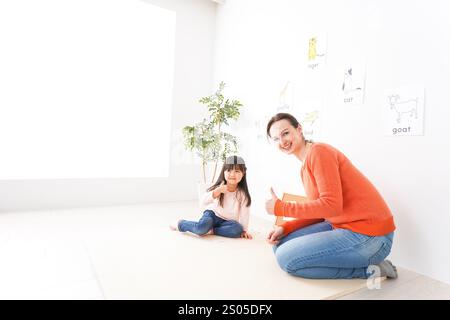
(207,198)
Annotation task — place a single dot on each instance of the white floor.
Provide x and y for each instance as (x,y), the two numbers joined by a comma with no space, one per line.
(128,252)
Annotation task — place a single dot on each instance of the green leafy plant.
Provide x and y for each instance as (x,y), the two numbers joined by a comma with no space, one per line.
(207,138)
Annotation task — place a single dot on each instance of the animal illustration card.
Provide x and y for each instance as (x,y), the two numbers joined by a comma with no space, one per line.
(353,83)
(309,117)
(403,111)
(317,47)
(286,98)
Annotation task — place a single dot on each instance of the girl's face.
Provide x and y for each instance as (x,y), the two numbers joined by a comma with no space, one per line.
(233,176)
(287,138)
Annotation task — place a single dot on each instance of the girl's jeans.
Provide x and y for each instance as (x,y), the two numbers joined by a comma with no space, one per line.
(221,227)
(320,252)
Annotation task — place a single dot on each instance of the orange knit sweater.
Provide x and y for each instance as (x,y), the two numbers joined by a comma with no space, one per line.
(339,193)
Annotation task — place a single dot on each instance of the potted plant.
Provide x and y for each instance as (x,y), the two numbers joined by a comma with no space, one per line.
(208,139)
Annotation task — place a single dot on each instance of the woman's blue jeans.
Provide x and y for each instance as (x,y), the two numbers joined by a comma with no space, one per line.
(221,227)
(320,252)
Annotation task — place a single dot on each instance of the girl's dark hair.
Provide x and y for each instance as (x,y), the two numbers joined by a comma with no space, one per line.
(237,163)
(281,116)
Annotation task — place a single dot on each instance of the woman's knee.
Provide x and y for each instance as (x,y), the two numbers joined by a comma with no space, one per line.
(286,266)
(288,260)
(293,266)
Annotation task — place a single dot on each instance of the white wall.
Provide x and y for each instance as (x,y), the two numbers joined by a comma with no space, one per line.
(192,79)
(259,45)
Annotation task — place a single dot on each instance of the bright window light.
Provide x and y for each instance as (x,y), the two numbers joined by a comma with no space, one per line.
(85,89)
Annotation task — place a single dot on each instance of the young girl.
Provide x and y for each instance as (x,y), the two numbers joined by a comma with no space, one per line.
(225,205)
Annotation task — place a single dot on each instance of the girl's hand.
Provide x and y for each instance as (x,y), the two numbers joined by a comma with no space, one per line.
(223,188)
(275,235)
(246,235)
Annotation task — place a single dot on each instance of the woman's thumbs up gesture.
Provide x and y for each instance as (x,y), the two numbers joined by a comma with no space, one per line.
(270,203)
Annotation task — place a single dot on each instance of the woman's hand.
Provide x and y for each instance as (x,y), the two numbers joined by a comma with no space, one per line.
(270,204)
(246,235)
(275,235)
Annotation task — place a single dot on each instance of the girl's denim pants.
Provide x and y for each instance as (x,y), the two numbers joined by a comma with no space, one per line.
(221,227)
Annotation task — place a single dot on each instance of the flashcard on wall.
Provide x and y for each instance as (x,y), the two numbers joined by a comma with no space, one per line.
(403,110)
(317,47)
(309,118)
(259,128)
(286,98)
(353,83)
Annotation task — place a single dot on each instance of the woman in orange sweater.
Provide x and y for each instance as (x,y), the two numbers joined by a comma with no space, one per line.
(354,228)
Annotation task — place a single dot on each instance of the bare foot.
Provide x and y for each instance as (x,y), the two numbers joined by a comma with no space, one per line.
(174,225)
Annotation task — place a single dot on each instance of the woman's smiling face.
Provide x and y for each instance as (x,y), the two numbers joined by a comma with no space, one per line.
(285,136)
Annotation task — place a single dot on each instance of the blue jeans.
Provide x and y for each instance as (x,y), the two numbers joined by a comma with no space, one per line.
(221,227)
(320,252)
